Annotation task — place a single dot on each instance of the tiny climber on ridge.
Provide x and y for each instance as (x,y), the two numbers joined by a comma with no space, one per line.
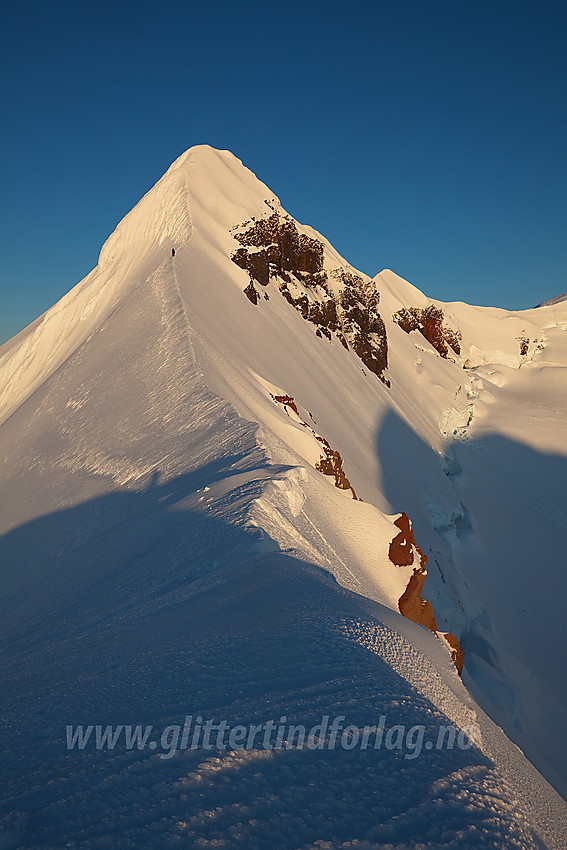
(173,252)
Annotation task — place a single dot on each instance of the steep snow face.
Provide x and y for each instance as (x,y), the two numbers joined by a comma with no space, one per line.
(170,443)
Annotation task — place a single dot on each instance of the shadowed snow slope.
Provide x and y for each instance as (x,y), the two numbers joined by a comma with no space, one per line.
(170,545)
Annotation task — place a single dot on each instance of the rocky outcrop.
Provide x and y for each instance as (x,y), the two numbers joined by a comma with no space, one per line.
(330,462)
(415,608)
(403,549)
(284,246)
(256,263)
(287,401)
(251,293)
(273,246)
(338,303)
(457,653)
(361,322)
(429,321)
(402,552)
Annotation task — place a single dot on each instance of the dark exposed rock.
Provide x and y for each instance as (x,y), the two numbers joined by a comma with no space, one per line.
(331,462)
(362,324)
(286,400)
(287,249)
(524,345)
(286,293)
(401,547)
(302,304)
(251,293)
(240,257)
(259,267)
(404,318)
(261,234)
(411,603)
(453,338)
(429,321)
(256,263)
(457,653)
(401,553)
(273,249)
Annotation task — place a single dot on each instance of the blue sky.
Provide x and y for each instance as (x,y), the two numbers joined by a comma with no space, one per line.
(427,137)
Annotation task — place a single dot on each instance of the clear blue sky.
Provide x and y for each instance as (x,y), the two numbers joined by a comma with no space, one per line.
(427,137)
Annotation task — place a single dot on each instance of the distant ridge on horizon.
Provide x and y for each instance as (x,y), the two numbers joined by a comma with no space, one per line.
(557,299)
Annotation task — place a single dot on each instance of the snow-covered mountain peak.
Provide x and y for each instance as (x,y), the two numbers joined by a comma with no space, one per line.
(204,188)
(221,418)
(212,160)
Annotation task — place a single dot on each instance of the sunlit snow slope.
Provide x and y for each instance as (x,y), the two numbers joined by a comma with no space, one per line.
(206,445)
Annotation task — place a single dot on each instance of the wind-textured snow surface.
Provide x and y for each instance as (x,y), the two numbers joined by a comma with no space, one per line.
(169,548)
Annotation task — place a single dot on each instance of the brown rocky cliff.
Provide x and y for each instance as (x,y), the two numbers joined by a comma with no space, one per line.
(430,322)
(411,603)
(457,653)
(272,249)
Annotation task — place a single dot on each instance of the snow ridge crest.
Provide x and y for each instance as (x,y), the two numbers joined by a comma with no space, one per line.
(161,217)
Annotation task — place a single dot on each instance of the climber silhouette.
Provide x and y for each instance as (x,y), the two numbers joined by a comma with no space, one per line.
(173,252)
